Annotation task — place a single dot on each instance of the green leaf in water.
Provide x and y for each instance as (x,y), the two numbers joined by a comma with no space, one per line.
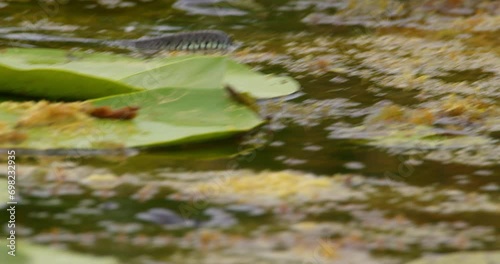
(58,74)
(28,253)
(243,79)
(166,116)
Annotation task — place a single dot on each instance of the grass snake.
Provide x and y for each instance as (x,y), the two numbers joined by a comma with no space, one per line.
(190,41)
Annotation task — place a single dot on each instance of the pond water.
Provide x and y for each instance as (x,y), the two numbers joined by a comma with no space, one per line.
(397,186)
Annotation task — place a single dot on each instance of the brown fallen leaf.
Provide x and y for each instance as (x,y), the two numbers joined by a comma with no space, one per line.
(124,113)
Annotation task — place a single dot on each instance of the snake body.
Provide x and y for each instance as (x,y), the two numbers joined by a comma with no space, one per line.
(191,41)
(194,40)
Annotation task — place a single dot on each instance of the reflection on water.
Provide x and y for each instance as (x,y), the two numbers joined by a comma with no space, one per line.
(208,7)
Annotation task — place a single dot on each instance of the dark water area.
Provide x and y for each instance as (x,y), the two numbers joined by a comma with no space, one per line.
(451,197)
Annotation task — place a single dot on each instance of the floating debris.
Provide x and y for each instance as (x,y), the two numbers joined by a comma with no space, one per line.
(165,217)
(43,113)
(124,113)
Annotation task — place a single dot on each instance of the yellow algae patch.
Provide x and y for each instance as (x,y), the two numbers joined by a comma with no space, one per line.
(280,184)
(12,137)
(447,129)
(272,187)
(470,107)
(422,117)
(19,118)
(29,121)
(390,113)
(44,113)
(396,61)
(9,135)
(17,107)
(399,114)
(102,181)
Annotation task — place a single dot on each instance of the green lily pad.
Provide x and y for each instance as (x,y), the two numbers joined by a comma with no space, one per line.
(49,73)
(167,116)
(191,72)
(59,74)
(483,257)
(28,253)
(243,79)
